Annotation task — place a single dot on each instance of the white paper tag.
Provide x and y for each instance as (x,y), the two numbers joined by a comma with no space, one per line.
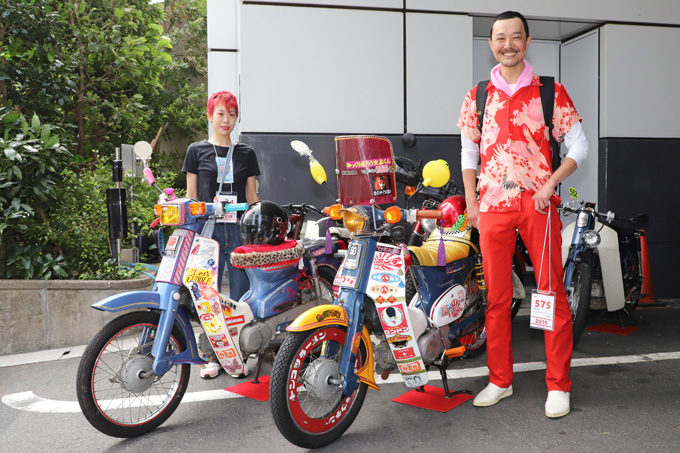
(542,310)
(229,217)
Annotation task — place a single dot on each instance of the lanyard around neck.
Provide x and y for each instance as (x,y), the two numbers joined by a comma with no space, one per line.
(227,168)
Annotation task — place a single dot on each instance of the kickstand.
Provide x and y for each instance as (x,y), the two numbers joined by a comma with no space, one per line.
(448,394)
(258,367)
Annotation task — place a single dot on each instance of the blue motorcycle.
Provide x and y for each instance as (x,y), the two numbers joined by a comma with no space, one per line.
(425,305)
(135,371)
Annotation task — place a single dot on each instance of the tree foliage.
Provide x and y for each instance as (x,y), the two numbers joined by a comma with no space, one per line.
(77,79)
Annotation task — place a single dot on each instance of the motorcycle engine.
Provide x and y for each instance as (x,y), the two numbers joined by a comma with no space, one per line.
(254,337)
(431,345)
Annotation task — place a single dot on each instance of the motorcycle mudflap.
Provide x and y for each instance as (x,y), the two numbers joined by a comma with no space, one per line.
(387,287)
(200,276)
(366,170)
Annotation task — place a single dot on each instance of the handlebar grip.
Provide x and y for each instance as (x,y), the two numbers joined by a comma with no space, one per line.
(235,207)
(429,214)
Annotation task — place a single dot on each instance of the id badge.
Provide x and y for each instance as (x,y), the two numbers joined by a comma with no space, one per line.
(542,310)
(229,217)
(221,166)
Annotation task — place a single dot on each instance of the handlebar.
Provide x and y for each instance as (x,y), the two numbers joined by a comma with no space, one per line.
(607,217)
(302,208)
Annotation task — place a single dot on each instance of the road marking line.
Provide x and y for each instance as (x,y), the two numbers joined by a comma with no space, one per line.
(29,401)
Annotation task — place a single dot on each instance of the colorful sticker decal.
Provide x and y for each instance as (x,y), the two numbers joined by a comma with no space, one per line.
(381,186)
(200,276)
(354,164)
(386,278)
(415,380)
(410,368)
(328,314)
(384,289)
(172,243)
(348,280)
(387,261)
(404,354)
(449,306)
(392,316)
(386,249)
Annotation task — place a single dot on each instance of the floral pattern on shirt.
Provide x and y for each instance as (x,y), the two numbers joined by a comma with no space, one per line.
(514,144)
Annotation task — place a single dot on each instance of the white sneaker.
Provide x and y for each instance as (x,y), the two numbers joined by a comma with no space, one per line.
(210,370)
(491,395)
(557,404)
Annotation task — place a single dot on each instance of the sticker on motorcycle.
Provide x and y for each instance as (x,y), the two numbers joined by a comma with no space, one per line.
(387,262)
(198,276)
(327,314)
(218,341)
(410,368)
(386,278)
(404,354)
(348,281)
(393,317)
(449,306)
(384,289)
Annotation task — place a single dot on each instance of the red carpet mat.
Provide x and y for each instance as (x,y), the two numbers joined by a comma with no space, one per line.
(252,390)
(614,328)
(433,399)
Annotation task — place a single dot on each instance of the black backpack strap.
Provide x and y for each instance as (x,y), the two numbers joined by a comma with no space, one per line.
(547,91)
(481,102)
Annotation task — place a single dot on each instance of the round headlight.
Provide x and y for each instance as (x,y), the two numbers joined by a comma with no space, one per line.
(429,225)
(353,220)
(591,238)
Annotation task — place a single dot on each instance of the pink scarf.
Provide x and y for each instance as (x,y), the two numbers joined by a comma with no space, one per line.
(523,81)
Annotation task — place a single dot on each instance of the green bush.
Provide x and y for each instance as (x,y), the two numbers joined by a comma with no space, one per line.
(80,227)
(33,159)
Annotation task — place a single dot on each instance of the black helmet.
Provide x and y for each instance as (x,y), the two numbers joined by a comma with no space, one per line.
(265,222)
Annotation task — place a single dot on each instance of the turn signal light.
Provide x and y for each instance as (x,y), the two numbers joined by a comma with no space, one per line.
(392,214)
(197,208)
(333,211)
(409,190)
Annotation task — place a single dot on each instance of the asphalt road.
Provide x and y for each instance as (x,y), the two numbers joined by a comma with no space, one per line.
(625,398)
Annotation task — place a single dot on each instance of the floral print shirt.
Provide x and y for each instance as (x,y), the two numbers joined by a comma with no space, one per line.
(514,145)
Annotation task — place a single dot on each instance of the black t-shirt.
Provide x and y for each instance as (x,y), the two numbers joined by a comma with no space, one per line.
(200,160)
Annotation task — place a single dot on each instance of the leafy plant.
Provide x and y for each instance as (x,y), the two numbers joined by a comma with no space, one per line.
(33,157)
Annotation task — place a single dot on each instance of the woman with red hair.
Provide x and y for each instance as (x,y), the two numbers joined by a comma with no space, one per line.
(220,167)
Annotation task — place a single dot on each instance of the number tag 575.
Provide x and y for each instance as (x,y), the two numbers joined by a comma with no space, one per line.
(542,310)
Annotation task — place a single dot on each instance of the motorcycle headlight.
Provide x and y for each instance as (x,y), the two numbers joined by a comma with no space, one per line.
(429,225)
(582,219)
(354,220)
(171,214)
(591,238)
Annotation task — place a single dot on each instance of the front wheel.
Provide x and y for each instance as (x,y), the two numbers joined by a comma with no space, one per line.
(117,390)
(307,400)
(578,296)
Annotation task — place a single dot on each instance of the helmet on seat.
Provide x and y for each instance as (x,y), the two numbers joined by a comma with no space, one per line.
(454,212)
(265,222)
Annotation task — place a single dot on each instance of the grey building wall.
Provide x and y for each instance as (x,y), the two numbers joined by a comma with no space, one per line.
(313,70)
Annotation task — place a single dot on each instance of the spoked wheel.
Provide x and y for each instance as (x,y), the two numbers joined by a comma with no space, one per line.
(307,400)
(578,296)
(117,390)
(474,339)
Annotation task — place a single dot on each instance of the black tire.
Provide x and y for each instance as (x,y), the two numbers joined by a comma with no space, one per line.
(327,276)
(108,374)
(306,419)
(578,296)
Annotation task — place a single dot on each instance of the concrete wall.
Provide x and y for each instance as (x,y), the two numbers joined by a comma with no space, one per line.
(38,314)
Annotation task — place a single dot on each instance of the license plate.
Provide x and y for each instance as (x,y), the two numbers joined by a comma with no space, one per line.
(353,255)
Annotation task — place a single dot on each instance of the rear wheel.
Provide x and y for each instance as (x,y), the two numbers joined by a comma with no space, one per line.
(578,296)
(307,400)
(117,390)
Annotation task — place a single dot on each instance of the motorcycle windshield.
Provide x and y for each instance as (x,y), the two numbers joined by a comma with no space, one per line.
(366,170)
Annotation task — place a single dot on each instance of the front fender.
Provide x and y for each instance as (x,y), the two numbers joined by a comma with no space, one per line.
(319,316)
(325,315)
(129,300)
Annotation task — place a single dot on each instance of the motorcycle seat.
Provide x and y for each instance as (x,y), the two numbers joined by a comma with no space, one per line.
(457,245)
(264,255)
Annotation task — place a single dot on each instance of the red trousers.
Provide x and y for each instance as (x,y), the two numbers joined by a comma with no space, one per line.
(497,240)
